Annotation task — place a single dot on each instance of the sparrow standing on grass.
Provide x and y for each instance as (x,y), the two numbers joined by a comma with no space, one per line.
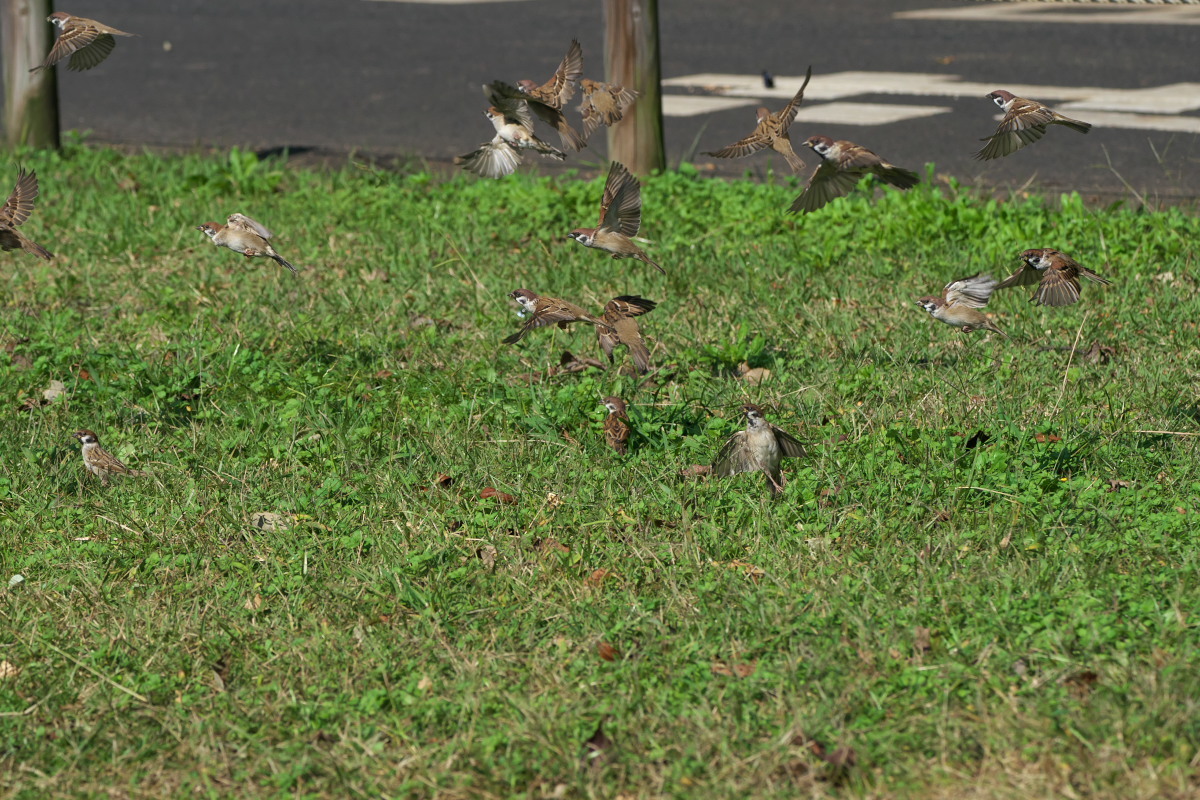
(99,461)
(514,133)
(16,210)
(543,311)
(1056,275)
(960,302)
(620,313)
(620,218)
(616,424)
(603,104)
(547,100)
(1024,123)
(772,131)
(243,235)
(86,41)
(759,448)
(843,165)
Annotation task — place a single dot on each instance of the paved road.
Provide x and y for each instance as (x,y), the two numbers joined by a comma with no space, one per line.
(403,78)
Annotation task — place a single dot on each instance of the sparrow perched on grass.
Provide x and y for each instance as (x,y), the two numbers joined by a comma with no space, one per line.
(514,133)
(547,100)
(1024,123)
(243,235)
(543,311)
(843,165)
(620,313)
(772,131)
(99,461)
(86,41)
(16,210)
(620,218)
(603,104)
(1056,274)
(960,301)
(759,448)
(616,424)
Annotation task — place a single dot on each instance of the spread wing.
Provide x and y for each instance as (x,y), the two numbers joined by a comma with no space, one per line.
(551,314)
(603,104)
(1059,286)
(492,160)
(744,147)
(72,40)
(972,292)
(790,446)
(734,457)
(631,336)
(827,183)
(243,223)
(561,87)
(510,102)
(628,306)
(621,205)
(788,114)
(1024,276)
(91,55)
(19,205)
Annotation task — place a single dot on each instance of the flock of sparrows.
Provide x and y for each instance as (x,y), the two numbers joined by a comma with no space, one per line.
(761,446)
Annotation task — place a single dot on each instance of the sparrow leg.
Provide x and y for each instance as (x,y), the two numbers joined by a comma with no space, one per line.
(776,485)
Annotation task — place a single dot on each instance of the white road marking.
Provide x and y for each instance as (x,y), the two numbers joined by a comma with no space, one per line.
(1030,14)
(1146,109)
(691,105)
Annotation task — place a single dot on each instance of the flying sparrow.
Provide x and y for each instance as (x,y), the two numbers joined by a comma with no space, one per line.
(620,313)
(603,104)
(86,41)
(960,301)
(1024,123)
(543,311)
(243,235)
(514,133)
(547,100)
(1056,274)
(616,424)
(843,165)
(620,218)
(99,461)
(772,131)
(16,210)
(761,447)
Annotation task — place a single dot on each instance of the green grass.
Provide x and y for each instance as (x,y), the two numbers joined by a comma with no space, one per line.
(975,615)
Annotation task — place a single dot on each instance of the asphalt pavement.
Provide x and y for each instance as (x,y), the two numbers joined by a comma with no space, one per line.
(403,79)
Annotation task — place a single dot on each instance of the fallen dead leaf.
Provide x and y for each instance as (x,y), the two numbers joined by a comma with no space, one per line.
(735,670)
(607,652)
(8,670)
(745,567)
(1114,484)
(696,471)
(598,577)
(501,497)
(270,521)
(425,684)
(550,545)
(921,640)
(1042,438)
(487,554)
(55,390)
(253,603)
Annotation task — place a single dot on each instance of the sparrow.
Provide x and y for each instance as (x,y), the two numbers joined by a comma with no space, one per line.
(86,41)
(616,424)
(772,131)
(620,313)
(761,447)
(960,301)
(547,100)
(514,133)
(1024,123)
(543,311)
(1058,281)
(243,235)
(603,104)
(99,461)
(620,218)
(843,165)
(16,210)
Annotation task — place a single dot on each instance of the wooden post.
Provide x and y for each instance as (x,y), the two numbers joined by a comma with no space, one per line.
(30,98)
(631,60)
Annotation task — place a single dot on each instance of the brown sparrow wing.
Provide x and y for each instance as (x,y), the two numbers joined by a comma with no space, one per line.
(972,292)
(510,102)
(788,113)
(627,306)
(631,336)
(244,223)
(570,138)
(71,40)
(744,147)
(827,183)
(1061,259)
(603,104)
(621,204)
(551,313)
(1059,287)
(1024,276)
(494,159)
(616,432)
(19,204)
(788,444)
(104,460)
(13,239)
(734,457)
(1025,114)
(857,157)
(87,57)
(561,87)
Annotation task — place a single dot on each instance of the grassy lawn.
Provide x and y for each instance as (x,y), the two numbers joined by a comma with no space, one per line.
(980,582)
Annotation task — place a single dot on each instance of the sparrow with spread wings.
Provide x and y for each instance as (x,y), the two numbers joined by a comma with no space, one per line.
(1056,274)
(15,211)
(843,165)
(546,100)
(761,447)
(86,41)
(620,313)
(542,311)
(514,133)
(620,218)
(960,302)
(603,104)
(772,131)
(1025,121)
(243,235)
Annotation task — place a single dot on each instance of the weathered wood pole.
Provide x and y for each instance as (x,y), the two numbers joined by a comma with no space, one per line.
(30,98)
(631,60)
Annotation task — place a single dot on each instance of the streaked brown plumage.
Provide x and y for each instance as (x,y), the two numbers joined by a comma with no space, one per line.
(514,133)
(543,311)
(86,41)
(843,165)
(1056,274)
(772,131)
(960,301)
(99,461)
(620,313)
(603,104)
(547,100)
(761,447)
(1024,123)
(15,211)
(243,235)
(620,218)
(616,424)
